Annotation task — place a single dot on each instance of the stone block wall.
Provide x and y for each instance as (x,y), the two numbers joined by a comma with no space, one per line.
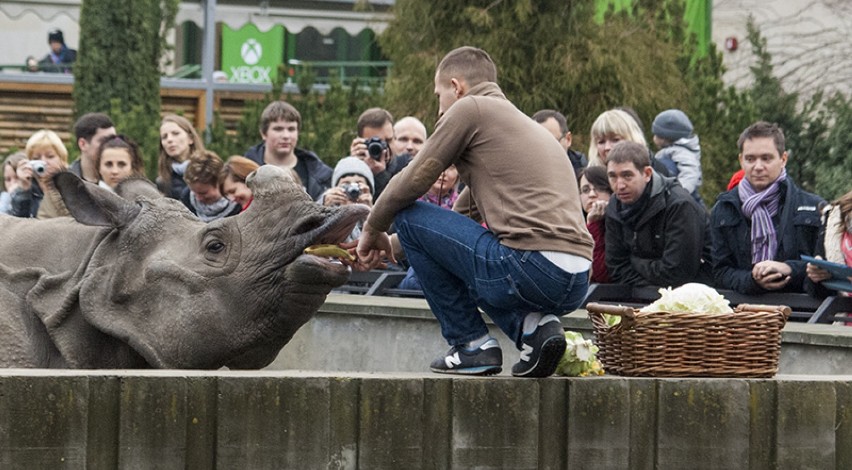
(299,420)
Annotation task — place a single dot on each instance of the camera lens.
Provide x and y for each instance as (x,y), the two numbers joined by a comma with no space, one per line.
(375,147)
(353,191)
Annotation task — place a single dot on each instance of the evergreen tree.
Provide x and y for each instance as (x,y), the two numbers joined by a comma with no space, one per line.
(118,70)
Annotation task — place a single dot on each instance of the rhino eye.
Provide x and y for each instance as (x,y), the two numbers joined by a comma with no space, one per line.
(215,246)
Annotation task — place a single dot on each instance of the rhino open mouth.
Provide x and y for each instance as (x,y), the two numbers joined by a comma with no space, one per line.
(321,243)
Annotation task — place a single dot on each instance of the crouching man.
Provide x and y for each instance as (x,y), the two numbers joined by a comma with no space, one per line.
(529,266)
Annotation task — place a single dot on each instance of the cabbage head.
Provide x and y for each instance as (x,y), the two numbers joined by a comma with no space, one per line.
(690,298)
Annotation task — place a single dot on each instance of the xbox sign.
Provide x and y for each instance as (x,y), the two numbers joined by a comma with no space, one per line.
(251,51)
(252,56)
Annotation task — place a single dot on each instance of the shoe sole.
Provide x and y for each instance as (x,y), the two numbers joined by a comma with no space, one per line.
(551,352)
(482,370)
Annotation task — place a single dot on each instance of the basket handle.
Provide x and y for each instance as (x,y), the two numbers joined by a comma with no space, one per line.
(619,310)
(756,308)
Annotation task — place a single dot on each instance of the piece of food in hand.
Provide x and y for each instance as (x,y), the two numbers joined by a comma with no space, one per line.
(329,251)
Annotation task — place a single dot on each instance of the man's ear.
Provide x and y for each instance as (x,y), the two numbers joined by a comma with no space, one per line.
(460,86)
(82,144)
(568,139)
(740,159)
(647,172)
(784,158)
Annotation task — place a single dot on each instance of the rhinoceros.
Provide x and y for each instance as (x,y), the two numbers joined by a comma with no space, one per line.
(144,284)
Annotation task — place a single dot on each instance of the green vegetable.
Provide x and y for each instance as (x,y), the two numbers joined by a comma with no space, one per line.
(579,359)
(690,298)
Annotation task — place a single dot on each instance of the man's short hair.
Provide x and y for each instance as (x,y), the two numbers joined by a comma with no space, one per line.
(87,126)
(469,63)
(278,110)
(545,114)
(763,129)
(374,118)
(626,151)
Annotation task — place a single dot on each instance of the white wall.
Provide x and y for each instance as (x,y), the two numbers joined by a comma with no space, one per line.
(810,41)
(27,35)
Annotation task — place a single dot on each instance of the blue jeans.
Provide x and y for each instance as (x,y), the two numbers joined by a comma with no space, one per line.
(462,267)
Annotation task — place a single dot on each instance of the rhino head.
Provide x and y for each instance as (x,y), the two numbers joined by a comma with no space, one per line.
(165,290)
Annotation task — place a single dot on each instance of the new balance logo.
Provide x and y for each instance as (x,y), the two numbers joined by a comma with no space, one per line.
(452,361)
(525,352)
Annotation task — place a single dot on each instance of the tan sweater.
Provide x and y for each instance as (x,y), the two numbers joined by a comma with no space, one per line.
(521,182)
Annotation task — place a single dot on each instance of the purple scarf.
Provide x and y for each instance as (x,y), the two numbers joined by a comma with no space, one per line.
(760,208)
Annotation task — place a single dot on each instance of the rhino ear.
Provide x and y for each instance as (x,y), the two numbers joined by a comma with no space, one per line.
(93,205)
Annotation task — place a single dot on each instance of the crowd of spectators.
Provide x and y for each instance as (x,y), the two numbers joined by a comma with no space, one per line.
(646,231)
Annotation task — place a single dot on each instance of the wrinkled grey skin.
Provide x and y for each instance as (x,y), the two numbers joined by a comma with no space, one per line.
(141,284)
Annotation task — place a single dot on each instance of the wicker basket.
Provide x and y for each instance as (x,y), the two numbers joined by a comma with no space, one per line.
(746,343)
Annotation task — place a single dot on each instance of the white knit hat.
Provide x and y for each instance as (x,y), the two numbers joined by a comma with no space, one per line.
(352,166)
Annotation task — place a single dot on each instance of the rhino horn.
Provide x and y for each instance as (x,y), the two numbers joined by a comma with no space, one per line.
(90,204)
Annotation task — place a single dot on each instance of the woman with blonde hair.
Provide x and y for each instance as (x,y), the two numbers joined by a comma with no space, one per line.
(36,195)
(232,180)
(178,142)
(610,128)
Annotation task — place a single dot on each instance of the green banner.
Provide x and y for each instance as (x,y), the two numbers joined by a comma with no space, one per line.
(697,16)
(252,56)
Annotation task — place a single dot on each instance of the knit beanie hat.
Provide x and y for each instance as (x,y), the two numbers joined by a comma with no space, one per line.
(352,166)
(55,35)
(672,124)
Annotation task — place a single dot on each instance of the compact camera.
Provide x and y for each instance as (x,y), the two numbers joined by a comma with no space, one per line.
(39,166)
(375,147)
(352,190)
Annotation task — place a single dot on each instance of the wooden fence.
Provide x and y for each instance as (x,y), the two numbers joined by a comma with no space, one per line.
(29,103)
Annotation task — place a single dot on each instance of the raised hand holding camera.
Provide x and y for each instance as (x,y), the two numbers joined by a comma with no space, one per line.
(375,147)
(373,151)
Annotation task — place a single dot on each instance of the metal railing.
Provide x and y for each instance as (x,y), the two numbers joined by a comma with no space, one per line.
(366,72)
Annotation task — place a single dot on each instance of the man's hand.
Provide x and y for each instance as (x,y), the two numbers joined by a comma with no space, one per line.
(358,148)
(771,275)
(373,247)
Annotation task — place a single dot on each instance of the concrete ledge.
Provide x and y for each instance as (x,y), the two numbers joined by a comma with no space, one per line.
(299,419)
(391,334)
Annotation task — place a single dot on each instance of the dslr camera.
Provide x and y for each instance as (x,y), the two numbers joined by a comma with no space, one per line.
(39,166)
(352,190)
(375,147)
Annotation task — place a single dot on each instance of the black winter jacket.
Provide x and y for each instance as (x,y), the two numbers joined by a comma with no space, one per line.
(670,245)
(797,226)
(315,175)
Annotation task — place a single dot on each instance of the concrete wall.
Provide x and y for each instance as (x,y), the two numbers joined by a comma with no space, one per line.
(271,420)
(398,419)
(385,334)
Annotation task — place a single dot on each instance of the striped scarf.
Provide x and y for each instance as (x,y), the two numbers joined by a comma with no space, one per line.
(760,208)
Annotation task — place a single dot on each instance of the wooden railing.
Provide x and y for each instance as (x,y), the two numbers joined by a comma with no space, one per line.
(33,101)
